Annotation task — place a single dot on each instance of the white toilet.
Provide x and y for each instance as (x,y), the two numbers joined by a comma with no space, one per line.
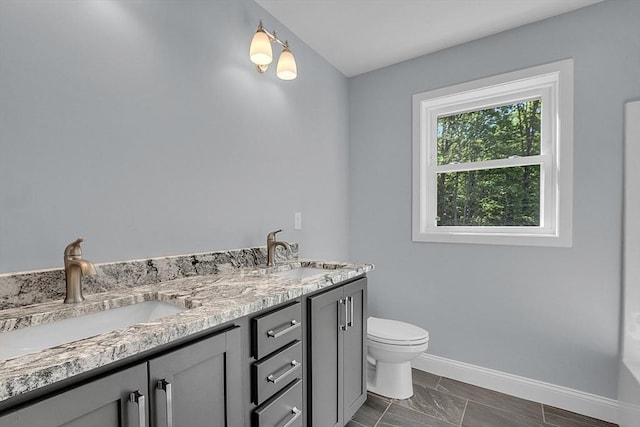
(391,346)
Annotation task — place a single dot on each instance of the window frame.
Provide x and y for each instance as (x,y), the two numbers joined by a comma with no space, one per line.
(553,84)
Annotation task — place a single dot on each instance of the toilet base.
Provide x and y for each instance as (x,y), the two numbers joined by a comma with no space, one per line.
(391,380)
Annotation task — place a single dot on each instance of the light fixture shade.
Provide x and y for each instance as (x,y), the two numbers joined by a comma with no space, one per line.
(260,50)
(287,69)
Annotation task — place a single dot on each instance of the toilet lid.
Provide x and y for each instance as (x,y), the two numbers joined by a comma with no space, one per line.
(394,331)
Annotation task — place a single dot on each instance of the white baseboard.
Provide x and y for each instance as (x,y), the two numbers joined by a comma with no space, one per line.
(561,397)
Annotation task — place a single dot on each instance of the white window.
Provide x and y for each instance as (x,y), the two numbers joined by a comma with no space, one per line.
(493,159)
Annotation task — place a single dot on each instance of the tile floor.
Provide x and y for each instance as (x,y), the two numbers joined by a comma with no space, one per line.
(442,402)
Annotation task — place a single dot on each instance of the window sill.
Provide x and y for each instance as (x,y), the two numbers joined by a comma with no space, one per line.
(520,239)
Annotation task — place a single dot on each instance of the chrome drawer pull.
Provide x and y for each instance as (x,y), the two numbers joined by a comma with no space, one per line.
(294,324)
(166,387)
(350,321)
(138,398)
(296,414)
(346,314)
(294,365)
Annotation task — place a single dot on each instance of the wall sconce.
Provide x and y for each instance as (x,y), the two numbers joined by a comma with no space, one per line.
(261,54)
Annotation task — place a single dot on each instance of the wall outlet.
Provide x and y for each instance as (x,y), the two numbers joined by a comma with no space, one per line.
(297,221)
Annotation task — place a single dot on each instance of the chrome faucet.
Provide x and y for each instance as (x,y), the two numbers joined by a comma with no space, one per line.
(271,247)
(74,268)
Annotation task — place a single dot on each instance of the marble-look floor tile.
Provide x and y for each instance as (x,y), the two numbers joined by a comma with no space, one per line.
(425,379)
(477,415)
(369,413)
(397,416)
(452,403)
(561,418)
(515,405)
(437,404)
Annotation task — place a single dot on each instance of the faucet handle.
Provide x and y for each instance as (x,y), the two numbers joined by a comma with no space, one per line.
(73,248)
(272,235)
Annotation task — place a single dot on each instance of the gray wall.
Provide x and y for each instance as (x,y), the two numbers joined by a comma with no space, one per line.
(550,314)
(142,126)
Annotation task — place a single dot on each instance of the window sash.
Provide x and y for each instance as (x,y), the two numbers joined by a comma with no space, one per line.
(431,110)
(547,205)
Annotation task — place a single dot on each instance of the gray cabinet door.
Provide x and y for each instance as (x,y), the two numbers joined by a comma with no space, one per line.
(337,354)
(198,385)
(326,315)
(100,403)
(354,348)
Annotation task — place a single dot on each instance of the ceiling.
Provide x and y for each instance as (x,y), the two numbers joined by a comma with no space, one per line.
(357,36)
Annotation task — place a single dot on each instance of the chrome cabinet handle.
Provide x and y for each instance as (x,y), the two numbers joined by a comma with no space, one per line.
(165,386)
(294,365)
(346,314)
(350,321)
(294,324)
(296,414)
(138,398)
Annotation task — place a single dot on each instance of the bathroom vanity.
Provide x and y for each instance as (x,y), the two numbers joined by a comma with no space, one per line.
(255,347)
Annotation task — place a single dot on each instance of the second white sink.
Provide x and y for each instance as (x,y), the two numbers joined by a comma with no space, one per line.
(36,338)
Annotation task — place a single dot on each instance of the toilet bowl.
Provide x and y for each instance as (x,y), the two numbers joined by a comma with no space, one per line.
(391,346)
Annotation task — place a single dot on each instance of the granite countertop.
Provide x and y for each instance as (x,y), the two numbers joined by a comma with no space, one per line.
(211,300)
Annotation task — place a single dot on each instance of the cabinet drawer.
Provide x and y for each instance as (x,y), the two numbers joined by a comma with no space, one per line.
(273,373)
(283,410)
(273,330)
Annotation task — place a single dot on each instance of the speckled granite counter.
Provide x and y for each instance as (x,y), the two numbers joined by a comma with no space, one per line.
(211,300)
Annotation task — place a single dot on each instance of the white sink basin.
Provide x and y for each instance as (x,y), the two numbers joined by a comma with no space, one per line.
(302,272)
(36,338)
